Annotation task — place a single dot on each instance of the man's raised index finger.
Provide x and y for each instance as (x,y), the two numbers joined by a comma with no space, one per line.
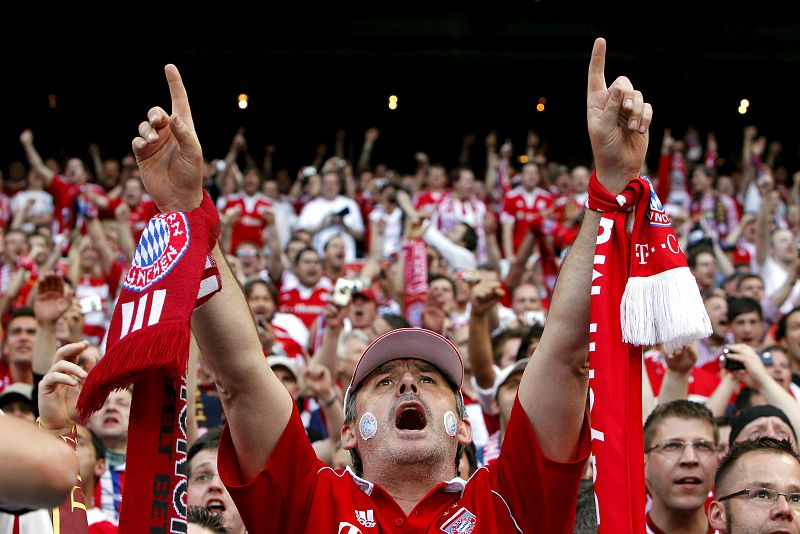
(180,100)
(597,65)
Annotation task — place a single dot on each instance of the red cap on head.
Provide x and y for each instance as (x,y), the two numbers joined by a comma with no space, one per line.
(366,293)
(416,343)
(741,256)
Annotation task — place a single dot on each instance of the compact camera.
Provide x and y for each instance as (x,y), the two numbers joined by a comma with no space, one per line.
(734,365)
(343,291)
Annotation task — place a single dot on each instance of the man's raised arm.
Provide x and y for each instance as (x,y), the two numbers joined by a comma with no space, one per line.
(256,404)
(554,385)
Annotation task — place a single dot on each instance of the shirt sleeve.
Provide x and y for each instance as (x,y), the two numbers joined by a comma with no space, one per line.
(277,498)
(523,475)
(457,256)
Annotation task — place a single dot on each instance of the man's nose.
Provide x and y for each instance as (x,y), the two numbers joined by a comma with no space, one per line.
(407,385)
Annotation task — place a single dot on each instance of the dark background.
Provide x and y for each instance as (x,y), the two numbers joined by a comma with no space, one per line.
(310,71)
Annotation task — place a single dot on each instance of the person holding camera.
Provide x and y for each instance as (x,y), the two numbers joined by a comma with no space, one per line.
(744,365)
(331,214)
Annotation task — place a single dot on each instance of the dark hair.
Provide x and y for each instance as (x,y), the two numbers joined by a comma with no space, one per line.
(585,513)
(534,332)
(99,448)
(744,399)
(198,515)
(21,312)
(780,333)
(251,284)
(471,452)
(350,415)
(762,444)
(747,276)
(303,250)
(455,174)
(678,408)
(208,441)
(695,251)
(742,305)
(470,237)
(432,278)
(396,321)
(500,339)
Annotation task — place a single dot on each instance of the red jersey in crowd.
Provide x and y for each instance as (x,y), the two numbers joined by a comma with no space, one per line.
(65,199)
(138,218)
(251,224)
(522,208)
(307,303)
(96,321)
(521,491)
(702,383)
(428,200)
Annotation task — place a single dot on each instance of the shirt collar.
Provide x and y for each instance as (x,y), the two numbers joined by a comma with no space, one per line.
(455,485)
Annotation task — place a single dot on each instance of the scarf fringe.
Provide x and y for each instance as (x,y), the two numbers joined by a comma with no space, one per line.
(664,308)
(133,358)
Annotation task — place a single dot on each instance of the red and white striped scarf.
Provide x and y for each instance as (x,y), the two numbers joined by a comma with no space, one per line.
(642,294)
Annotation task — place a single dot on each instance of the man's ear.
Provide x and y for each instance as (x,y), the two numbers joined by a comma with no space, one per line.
(716,515)
(349,440)
(464,432)
(99,467)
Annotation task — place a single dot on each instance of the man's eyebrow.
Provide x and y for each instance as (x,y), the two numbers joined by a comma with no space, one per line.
(425,367)
(385,368)
(793,488)
(207,463)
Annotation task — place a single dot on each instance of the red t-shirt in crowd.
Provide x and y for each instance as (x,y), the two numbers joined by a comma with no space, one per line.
(522,491)
(251,224)
(521,208)
(65,193)
(307,303)
(138,218)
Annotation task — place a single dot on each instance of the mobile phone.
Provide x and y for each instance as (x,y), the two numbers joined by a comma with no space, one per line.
(90,304)
(766,359)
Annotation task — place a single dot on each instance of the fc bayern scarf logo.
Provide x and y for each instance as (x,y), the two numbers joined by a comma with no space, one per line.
(163,243)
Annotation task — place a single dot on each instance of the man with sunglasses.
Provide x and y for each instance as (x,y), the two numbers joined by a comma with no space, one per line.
(758,483)
(680,443)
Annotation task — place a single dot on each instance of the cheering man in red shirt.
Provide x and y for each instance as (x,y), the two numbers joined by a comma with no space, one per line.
(405,422)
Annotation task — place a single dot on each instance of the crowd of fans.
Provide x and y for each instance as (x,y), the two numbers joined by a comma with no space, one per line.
(339,252)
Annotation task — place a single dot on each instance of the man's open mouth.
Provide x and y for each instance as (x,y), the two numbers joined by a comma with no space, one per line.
(410,416)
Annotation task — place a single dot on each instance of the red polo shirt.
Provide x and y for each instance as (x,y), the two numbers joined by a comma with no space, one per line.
(522,491)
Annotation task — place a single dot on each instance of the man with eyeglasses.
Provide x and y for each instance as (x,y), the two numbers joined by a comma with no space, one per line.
(205,486)
(680,443)
(758,483)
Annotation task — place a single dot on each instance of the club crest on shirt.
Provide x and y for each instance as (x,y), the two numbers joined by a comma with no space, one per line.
(462,522)
(162,245)
(656,213)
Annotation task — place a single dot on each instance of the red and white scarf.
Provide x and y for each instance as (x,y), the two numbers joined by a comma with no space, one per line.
(642,294)
(173,271)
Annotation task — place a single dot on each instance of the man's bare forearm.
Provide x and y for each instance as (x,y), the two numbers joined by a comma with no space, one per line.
(227,336)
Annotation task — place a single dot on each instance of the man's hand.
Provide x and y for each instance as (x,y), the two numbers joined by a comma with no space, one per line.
(754,374)
(682,360)
(433,315)
(334,316)
(618,121)
(51,300)
(168,152)
(485,296)
(60,388)
(318,379)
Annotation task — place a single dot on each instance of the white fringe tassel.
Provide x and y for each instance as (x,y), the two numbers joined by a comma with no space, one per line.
(664,308)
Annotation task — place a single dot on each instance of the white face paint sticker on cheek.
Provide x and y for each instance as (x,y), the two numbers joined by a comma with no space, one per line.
(368,425)
(450,423)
